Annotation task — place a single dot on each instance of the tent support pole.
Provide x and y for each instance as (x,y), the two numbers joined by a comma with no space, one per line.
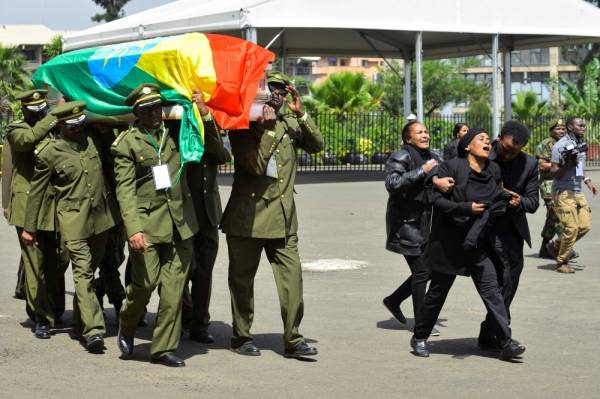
(407,77)
(507,84)
(282,51)
(495,105)
(419,77)
(250,34)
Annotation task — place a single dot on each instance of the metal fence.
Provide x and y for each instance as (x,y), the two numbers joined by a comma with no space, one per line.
(363,141)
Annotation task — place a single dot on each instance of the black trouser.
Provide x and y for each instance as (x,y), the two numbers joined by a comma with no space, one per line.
(415,284)
(485,279)
(196,304)
(109,281)
(509,246)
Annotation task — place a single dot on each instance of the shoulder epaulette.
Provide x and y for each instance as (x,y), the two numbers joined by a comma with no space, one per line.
(40,147)
(120,136)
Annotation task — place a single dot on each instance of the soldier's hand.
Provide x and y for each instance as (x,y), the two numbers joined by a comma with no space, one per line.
(198,98)
(5,212)
(443,184)
(296,104)
(268,119)
(137,242)
(28,238)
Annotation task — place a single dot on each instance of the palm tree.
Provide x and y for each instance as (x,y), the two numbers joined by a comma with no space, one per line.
(586,102)
(54,48)
(527,105)
(346,92)
(13,77)
(114,10)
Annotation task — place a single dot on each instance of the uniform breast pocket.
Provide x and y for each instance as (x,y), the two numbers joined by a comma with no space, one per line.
(144,163)
(67,171)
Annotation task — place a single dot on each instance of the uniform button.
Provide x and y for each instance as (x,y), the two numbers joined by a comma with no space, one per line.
(280,180)
(85,171)
(141,158)
(282,195)
(89,185)
(168,200)
(252,195)
(292,140)
(92,198)
(280,165)
(205,165)
(278,150)
(205,179)
(26,192)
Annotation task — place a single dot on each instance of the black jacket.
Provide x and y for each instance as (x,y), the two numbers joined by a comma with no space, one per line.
(521,176)
(408,220)
(452,220)
(451,150)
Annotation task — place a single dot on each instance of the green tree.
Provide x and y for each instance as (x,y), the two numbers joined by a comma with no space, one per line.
(13,77)
(584,101)
(527,105)
(54,48)
(345,92)
(114,10)
(444,82)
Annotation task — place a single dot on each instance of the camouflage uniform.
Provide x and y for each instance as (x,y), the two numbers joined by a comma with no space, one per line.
(552,225)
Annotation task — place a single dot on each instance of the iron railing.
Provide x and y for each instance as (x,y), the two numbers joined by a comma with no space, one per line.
(363,141)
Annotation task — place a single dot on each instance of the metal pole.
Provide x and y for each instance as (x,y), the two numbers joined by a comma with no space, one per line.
(250,34)
(419,68)
(283,53)
(407,77)
(495,106)
(507,84)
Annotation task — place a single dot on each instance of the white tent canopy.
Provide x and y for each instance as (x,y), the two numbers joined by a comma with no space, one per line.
(390,28)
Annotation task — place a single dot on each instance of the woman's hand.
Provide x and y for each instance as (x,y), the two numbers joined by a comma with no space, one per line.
(443,184)
(429,165)
(477,208)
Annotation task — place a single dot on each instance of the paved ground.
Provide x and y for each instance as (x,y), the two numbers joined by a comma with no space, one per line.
(363,352)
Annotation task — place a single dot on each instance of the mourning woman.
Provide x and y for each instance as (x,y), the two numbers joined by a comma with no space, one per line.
(451,149)
(409,213)
(461,242)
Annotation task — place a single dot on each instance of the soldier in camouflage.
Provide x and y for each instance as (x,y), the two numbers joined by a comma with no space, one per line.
(543,154)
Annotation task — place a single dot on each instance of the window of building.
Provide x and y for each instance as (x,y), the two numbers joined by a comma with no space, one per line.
(364,63)
(538,56)
(571,55)
(344,62)
(29,54)
(332,61)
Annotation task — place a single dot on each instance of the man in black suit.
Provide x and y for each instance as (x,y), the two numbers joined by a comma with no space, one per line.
(520,177)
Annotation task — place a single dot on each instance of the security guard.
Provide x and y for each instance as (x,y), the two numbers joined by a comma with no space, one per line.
(202,180)
(543,153)
(43,268)
(261,214)
(159,221)
(86,209)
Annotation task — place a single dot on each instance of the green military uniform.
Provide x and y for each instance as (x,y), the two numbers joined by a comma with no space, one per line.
(86,209)
(261,214)
(202,180)
(7,168)
(167,219)
(43,264)
(552,225)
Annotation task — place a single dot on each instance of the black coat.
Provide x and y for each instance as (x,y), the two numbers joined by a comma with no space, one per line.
(451,150)
(408,220)
(452,220)
(521,175)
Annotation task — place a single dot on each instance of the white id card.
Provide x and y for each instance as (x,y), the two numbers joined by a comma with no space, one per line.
(272,168)
(162,180)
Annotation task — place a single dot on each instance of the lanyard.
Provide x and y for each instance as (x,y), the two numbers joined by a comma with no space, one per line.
(158,147)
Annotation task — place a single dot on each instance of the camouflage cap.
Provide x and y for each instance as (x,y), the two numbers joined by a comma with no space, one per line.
(556,123)
(278,77)
(144,95)
(33,100)
(70,113)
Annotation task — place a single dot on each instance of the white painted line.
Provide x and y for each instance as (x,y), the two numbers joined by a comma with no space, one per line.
(329,265)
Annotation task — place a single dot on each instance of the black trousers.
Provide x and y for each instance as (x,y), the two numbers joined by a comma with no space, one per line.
(415,284)
(196,302)
(509,246)
(484,276)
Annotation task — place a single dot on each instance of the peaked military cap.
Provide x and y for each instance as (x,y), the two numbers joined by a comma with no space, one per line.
(556,123)
(34,100)
(143,95)
(278,78)
(70,113)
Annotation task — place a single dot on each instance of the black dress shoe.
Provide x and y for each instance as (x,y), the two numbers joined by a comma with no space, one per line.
(202,337)
(125,344)
(511,349)
(247,349)
(300,350)
(168,359)
(394,310)
(419,347)
(95,344)
(543,253)
(42,331)
(489,343)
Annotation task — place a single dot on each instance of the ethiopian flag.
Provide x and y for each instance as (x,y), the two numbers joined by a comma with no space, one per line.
(226,69)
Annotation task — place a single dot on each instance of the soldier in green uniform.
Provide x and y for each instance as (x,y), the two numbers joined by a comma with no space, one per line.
(202,180)
(43,268)
(86,210)
(159,221)
(261,214)
(543,153)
